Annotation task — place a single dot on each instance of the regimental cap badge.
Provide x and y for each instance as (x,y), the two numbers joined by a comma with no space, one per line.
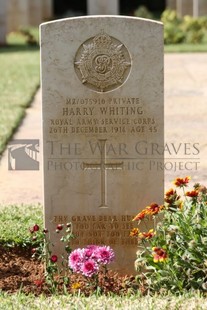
(102,63)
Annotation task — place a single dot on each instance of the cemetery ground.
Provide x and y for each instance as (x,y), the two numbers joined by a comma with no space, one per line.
(20,275)
(18,83)
(14,226)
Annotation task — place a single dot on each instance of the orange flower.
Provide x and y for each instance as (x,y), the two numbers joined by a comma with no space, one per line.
(147,235)
(171,196)
(159,255)
(140,216)
(182,182)
(153,209)
(170,192)
(134,232)
(192,194)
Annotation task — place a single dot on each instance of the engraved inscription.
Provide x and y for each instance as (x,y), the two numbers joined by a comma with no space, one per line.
(103,166)
(102,63)
(100,229)
(103,116)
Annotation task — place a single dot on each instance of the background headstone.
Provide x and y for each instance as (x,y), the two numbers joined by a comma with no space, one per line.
(193,8)
(3,21)
(35,12)
(47,9)
(184,7)
(18,14)
(102,92)
(24,13)
(202,8)
(100,7)
(171,4)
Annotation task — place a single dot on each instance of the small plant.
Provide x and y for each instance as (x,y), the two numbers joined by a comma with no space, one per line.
(88,261)
(30,38)
(183,30)
(42,248)
(172,256)
(143,12)
(84,270)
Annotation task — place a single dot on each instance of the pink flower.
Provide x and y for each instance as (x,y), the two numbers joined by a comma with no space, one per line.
(87,260)
(90,251)
(92,247)
(105,255)
(75,260)
(89,268)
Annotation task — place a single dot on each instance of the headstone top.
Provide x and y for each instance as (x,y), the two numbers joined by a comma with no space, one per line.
(92,17)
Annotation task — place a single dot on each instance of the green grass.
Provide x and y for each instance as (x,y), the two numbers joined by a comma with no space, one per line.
(19,80)
(185,48)
(134,302)
(15,222)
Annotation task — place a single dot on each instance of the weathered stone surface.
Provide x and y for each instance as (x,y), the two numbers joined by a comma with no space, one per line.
(102,88)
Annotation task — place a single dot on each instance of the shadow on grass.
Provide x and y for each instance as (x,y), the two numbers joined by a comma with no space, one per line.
(12,48)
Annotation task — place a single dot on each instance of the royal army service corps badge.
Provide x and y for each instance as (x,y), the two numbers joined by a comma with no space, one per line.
(102,63)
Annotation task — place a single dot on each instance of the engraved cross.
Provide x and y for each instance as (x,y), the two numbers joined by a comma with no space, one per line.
(103,166)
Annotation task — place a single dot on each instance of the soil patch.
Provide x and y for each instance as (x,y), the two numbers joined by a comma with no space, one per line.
(19,271)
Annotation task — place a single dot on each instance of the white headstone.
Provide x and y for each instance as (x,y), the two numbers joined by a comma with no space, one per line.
(47,9)
(3,21)
(202,7)
(171,4)
(18,14)
(102,92)
(100,7)
(35,12)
